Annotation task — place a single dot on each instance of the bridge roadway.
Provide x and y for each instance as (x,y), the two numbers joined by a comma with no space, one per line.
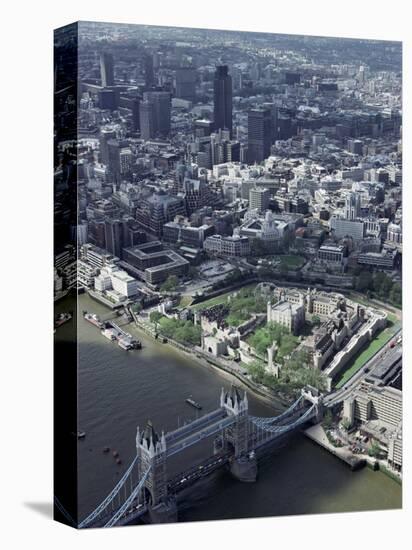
(195,425)
(211,428)
(205,468)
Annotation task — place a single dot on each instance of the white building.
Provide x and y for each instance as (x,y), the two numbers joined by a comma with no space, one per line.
(332,255)
(103,281)
(123,283)
(347,228)
(259,198)
(113,278)
(287,314)
(227,246)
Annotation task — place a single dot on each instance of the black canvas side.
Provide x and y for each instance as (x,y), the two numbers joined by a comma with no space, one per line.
(65,277)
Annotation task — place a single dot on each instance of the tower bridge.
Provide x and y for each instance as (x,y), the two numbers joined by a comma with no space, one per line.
(146,491)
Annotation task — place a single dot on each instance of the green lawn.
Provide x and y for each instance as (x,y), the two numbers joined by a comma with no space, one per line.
(185,301)
(211,302)
(290,261)
(375,345)
(221,299)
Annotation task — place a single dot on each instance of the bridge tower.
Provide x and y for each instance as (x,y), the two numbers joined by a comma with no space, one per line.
(315,397)
(236,405)
(243,465)
(151,451)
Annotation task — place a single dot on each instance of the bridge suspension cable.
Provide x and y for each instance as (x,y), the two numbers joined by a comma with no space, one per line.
(115,518)
(271,419)
(103,505)
(286,427)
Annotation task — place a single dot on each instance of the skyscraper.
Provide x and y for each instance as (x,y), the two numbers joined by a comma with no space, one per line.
(161,106)
(113,151)
(115,236)
(352,206)
(149,76)
(147,129)
(259,198)
(222,98)
(106,134)
(135,104)
(106,69)
(259,126)
(186,83)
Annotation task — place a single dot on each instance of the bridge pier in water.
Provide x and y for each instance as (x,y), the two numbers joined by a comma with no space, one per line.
(164,512)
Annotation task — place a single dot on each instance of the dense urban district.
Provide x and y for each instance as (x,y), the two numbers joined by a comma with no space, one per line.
(239,196)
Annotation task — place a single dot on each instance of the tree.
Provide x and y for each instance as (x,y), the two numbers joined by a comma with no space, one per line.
(382,284)
(155,316)
(327,420)
(170,284)
(316,320)
(374,450)
(395,295)
(257,371)
(363,281)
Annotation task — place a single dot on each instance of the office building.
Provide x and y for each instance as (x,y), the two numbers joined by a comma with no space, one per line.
(157,209)
(232,246)
(106,69)
(331,254)
(123,283)
(352,206)
(149,76)
(355,146)
(146,117)
(347,228)
(106,134)
(115,236)
(186,83)
(203,127)
(153,263)
(156,114)
(188,235)
(380,260)
(259,198)
(222,99)
(259,135)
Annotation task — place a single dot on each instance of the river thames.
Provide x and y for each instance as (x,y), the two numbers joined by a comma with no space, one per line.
(120,390)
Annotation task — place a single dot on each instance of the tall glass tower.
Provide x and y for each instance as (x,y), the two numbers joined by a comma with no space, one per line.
(222,99)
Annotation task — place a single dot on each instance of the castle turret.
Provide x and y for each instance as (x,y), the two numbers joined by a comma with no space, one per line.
(273,368)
